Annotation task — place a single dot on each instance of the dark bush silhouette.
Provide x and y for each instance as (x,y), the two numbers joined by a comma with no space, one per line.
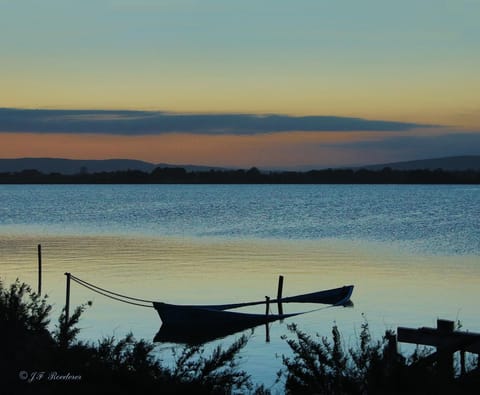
(321,366)
(31,355)
(126,366)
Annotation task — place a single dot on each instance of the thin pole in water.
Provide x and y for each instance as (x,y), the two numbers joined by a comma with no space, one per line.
(67,298)
(279,294)
(267,311)
(39,248)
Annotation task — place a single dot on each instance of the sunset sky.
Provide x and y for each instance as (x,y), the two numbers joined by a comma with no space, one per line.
(240,83)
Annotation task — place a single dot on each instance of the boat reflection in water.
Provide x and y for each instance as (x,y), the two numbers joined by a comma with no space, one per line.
(193,335)
(196,324)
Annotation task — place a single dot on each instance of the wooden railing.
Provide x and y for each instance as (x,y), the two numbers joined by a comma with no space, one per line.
(447,341)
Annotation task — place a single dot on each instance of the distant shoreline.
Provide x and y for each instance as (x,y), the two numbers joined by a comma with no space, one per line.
(179,175)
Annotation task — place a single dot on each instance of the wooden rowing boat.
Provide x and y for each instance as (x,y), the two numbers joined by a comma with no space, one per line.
(215,315)
(183,315)
(202,323)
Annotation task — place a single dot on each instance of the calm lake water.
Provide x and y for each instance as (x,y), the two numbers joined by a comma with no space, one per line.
(412,253)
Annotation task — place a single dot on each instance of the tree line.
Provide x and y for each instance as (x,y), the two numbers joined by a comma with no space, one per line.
(179,175)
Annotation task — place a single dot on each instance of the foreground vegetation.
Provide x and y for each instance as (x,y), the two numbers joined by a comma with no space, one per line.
(35,360)
(320,366)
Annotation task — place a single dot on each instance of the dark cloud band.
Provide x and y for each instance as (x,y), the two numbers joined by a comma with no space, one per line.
(150,123)
(449,144)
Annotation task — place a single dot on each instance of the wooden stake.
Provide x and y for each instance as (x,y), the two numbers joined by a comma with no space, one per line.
(463,369)
(67,298)
(279,294)
(445,358)
(39,247)
(267,312)
(391,350)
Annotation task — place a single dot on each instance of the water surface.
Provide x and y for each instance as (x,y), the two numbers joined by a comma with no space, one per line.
(412,253)
(435,219)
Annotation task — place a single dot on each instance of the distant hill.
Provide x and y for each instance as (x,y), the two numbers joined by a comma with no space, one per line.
(75,166)
(451,163)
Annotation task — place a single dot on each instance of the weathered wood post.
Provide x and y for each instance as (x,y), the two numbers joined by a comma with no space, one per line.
(267,332)
(267,312)
(279,294)
(67,298)
(463,369)
(445,358)
(39,249)
(392,345)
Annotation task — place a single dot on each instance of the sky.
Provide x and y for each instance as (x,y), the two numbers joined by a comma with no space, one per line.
(318,83)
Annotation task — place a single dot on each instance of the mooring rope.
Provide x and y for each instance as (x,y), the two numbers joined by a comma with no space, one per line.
(108,294)
(121,298)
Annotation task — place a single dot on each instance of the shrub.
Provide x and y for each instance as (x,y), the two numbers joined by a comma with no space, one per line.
(321,366)
(111,366)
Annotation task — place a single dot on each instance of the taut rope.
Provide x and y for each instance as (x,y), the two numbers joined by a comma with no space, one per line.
(111,294)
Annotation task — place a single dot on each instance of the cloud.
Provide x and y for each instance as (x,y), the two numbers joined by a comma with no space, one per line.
(151,123)
(417,147)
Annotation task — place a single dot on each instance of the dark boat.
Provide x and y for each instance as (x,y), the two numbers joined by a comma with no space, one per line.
(201,323)
(172,314)
(215,315)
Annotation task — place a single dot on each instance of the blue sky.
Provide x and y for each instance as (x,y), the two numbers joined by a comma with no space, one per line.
(412,62)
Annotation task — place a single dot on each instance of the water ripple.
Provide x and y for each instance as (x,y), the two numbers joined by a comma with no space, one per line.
(431,219)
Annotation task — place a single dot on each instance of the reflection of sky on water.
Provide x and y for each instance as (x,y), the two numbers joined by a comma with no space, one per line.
(393,288)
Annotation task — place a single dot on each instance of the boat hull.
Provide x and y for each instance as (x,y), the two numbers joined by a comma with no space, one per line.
(217,315)
(195,324)
(175,315)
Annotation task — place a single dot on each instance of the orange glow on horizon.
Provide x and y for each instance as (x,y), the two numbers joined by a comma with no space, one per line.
(273,149)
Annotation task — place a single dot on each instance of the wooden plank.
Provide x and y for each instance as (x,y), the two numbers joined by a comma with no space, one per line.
(466,341)
(446,340)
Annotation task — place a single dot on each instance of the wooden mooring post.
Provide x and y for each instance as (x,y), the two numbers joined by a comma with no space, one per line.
(39,251)
(446,340)
(267,305)
(445,358)
(267,312)
(279,295)
(67,298)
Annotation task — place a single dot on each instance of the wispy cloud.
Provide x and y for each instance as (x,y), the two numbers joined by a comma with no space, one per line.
(152,122)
